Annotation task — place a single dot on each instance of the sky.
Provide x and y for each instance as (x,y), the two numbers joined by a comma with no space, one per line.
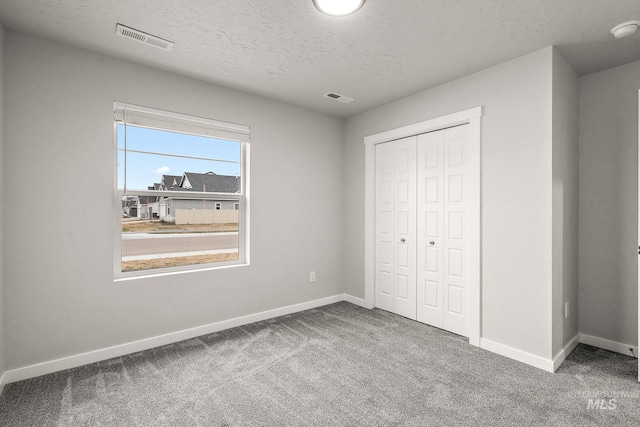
(143,170)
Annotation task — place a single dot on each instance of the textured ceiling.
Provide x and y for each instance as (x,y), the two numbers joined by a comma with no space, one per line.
(287,50)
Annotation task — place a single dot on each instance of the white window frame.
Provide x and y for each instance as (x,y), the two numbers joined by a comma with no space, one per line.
(176,122)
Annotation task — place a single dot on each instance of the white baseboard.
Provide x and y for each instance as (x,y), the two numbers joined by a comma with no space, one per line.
(148,343)
(515,354)
(606,344)
(355,300)
(565,352)
(69,362)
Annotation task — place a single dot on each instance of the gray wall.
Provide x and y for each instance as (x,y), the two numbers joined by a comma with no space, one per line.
(516,186)
(61,299)
(608,204)
(565,202)
(2,179)
(59,296)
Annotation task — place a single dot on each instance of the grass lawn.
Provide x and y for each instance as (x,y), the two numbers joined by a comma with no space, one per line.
(167,227)
(177,261)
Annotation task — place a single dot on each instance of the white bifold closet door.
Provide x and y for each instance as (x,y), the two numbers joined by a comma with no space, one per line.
(396,227)
(422,224)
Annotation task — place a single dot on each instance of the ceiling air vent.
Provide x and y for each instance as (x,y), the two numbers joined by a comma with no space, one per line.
(145,38)
(338,97)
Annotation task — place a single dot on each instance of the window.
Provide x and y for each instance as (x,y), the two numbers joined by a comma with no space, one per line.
(181,191)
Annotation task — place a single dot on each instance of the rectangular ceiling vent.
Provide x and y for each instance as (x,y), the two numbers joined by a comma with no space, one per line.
(338,97)
(145,38)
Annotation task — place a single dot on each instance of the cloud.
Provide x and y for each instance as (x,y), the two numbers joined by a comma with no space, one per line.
(162,170)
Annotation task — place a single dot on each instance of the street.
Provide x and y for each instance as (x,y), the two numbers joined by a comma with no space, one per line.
(134,244)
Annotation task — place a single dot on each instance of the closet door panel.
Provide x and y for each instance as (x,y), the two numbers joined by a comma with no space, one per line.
(405,227)
(430,228)
(385,233)
(456,224)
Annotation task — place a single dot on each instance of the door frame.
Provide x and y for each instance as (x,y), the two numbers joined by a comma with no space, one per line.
(472,117)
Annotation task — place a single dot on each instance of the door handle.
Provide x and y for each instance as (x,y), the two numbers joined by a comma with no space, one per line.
(431,242)
(402,240)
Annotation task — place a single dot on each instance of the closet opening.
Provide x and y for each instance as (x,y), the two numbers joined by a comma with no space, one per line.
(422,222)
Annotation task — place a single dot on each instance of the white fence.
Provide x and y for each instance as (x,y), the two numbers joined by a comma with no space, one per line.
(208,216)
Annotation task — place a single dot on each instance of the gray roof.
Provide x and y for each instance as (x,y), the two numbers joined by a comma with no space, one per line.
(212,182)
(145,200)
(167,182)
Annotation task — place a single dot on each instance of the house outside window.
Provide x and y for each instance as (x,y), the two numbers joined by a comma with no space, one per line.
(181,192)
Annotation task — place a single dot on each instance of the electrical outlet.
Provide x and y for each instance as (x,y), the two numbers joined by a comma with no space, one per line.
(566,310)
(312,277)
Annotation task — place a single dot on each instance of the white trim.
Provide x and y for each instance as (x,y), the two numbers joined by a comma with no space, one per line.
(182,195)
(430,125)
(74,361)
(3,381)
(355,300)
(242,199)
(185,269)
(565,352)
(471,116)
(606,344)
(139,115)
(515,354)
(475,239)
(369,224)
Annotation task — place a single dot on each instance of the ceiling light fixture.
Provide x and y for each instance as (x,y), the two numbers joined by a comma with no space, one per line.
(338,7)
(625,29)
